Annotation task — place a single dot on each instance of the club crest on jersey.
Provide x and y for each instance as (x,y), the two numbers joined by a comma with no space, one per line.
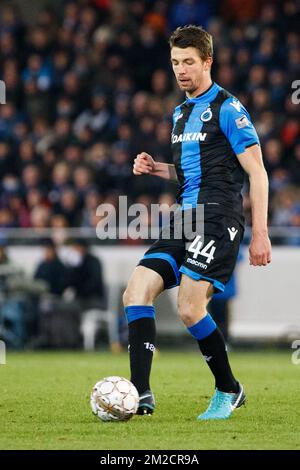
(206,115)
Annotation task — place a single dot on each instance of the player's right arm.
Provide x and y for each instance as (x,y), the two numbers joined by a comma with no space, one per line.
(144,164)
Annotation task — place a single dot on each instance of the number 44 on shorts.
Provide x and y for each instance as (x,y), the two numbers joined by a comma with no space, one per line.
(207,251)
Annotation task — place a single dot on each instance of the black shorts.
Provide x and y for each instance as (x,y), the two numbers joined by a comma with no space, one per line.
(209,254)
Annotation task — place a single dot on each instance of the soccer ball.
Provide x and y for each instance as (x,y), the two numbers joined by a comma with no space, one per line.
(114,399)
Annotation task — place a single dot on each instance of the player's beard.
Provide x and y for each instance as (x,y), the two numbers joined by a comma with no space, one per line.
(189,87)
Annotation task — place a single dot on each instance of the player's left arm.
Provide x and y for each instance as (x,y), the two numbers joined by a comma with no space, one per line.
(260,246)
(236,124)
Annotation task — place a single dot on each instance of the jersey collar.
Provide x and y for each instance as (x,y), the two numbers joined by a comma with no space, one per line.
(206,95)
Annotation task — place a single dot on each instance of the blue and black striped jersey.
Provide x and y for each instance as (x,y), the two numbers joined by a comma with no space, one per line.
(208,132)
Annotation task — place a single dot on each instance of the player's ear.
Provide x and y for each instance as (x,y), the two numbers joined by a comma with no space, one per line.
(208,63)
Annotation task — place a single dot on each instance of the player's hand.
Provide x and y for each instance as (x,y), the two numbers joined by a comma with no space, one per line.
(143,164)
(260,251)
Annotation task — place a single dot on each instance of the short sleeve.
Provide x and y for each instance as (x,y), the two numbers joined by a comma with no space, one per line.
(236,124)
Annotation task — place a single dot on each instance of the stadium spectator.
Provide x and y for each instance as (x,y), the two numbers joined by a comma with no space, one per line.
(68,206)
(295,165)
(12,312)
(51,270)
(84,275)
(19,294)
(190,12)
(92,200)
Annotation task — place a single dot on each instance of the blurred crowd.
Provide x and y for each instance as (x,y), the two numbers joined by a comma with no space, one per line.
(90,86)
(48,307)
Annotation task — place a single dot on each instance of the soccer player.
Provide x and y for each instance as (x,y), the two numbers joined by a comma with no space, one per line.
(213,143)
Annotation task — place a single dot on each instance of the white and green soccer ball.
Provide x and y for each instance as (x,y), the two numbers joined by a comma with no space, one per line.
(114,399)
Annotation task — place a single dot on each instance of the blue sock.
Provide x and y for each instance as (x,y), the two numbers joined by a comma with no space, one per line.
(203,328)
(135,312)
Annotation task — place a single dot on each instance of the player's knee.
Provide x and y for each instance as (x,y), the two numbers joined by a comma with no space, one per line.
(134,296)
(189,312)
(128,297)
(143,287)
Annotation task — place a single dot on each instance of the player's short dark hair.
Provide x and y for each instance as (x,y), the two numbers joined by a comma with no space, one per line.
(193,36)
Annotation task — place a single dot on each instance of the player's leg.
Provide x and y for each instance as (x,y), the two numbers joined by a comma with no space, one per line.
(219,309)
(208,265)
(157,270)
(143,287)
(193,298)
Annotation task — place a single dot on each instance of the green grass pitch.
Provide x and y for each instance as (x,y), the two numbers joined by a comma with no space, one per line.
(44,403)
